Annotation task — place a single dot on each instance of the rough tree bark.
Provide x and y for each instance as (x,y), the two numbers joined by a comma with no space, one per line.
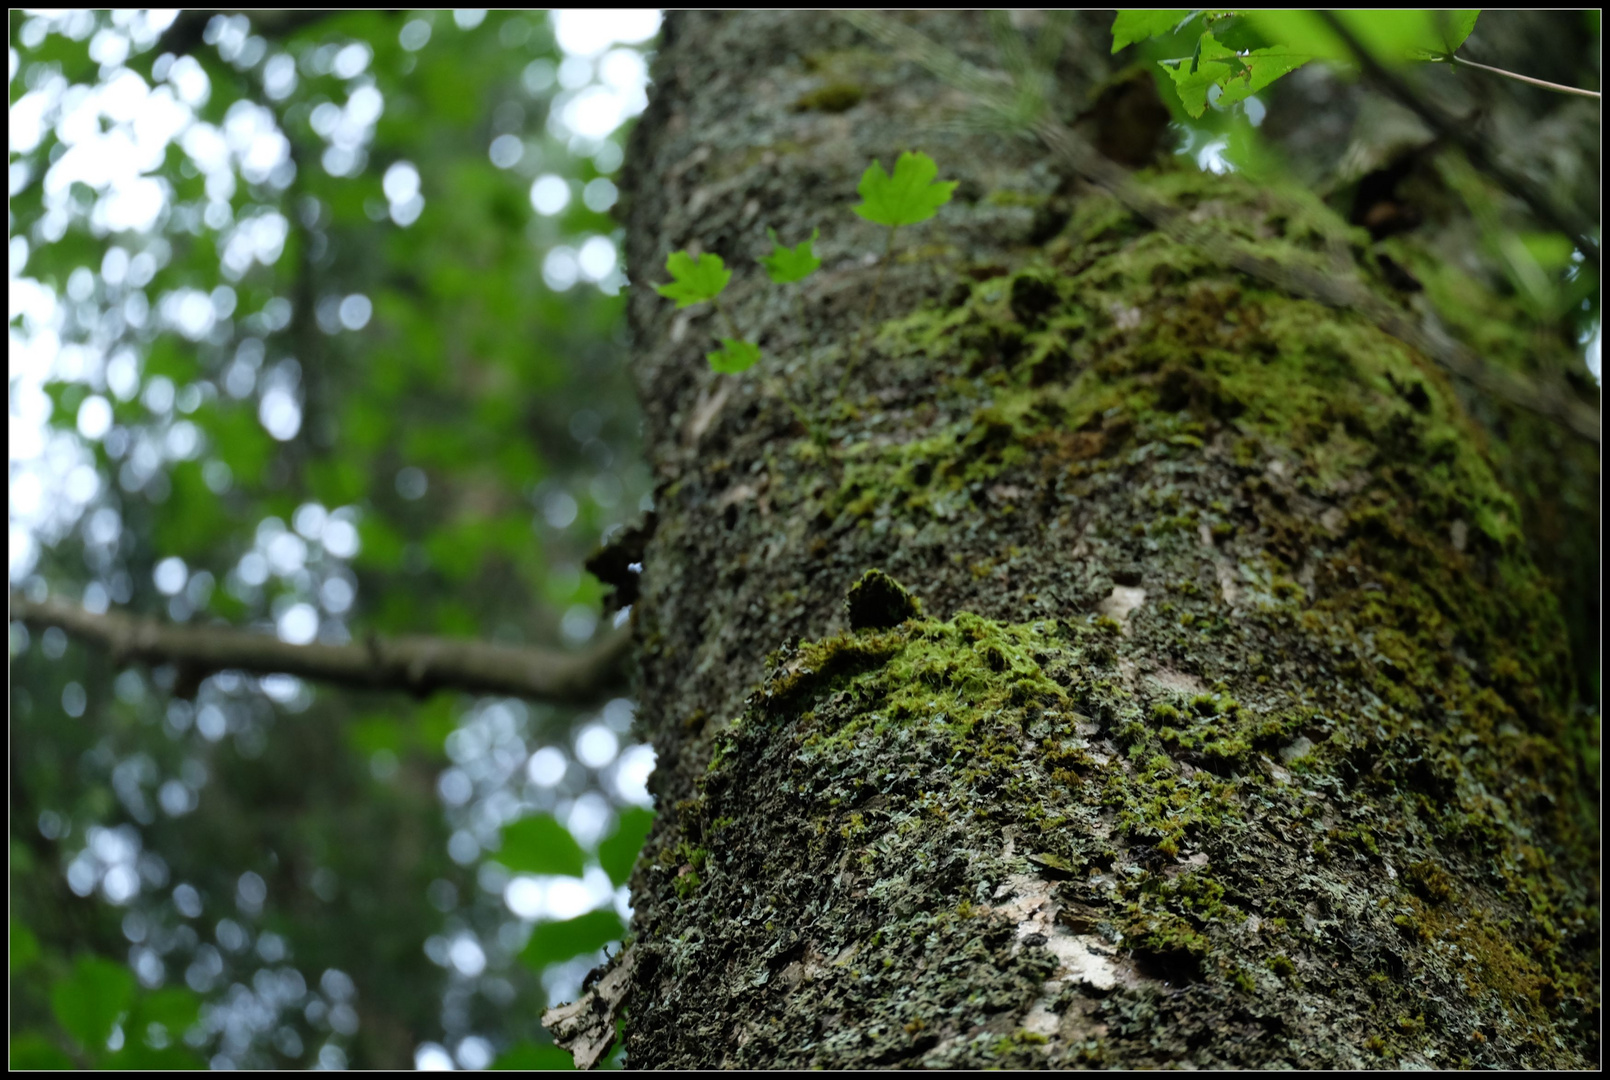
(1234,728)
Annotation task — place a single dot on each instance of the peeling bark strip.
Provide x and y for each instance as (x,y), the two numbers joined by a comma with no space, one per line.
(1207,745)
(419,665)
(586,1027)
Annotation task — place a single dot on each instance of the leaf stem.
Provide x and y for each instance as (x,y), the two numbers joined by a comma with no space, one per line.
(866,317)
(726,316)
(818,436)
(818,433)
(1460,61)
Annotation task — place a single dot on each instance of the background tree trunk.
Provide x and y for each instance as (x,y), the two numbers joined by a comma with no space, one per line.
(1235,729)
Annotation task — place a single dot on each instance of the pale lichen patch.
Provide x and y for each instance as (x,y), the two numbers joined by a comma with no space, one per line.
(1178,681)
(707,408)
(1273,771)
(1081,958)
(1227,583)
(1123,600)
(1298,747)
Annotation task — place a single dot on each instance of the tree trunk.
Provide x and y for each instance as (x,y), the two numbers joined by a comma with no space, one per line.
(1234,728)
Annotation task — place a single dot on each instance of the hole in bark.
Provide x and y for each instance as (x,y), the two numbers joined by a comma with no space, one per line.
(1032,296)
(1049,220)
(1051,367)
(1179,389)
(1172,966)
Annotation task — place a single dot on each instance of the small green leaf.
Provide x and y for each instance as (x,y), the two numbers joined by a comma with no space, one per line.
(25,947)
(1398,36)
(375,733)
(528,1055)
(540,845)
(89,1001)
(1132,26)
(31,1050)
(619,850)
(734,356)
(1551,250)
(556,941)
(909,196)
(1393,37)
(148,1058)
(695,280)
(786,265)
(174,1007)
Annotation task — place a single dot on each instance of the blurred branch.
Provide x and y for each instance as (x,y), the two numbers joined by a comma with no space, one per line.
(1475,147)
(1338,290)
(418,665)
(187,32)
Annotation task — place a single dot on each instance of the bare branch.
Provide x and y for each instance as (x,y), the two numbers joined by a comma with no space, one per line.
(187,32)
(418,665)
(1333,289)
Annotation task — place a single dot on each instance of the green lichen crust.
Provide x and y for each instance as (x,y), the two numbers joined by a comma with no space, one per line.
(1238,731)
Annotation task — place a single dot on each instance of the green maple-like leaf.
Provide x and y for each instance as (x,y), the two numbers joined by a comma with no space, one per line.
(618,851)
(1393,37)
(528,1056)
(909,196)
(789,264)
(734,356)
(541,845)
(1296,37)
(1129,27)
(555,941)
(1237,75)
(88,1002)
(694,280)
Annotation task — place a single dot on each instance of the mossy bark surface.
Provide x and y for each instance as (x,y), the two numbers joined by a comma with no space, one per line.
(1233,727)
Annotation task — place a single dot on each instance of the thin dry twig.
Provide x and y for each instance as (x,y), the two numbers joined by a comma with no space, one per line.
(1558,88)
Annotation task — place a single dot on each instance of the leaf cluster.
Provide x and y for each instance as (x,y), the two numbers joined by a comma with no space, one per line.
(1238,53)
(98,1006)
(541,845)
(911,194)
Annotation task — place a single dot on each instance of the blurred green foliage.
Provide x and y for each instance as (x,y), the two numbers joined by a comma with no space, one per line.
(323,309)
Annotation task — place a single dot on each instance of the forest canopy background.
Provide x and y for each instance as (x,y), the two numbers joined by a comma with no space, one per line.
(314,330)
